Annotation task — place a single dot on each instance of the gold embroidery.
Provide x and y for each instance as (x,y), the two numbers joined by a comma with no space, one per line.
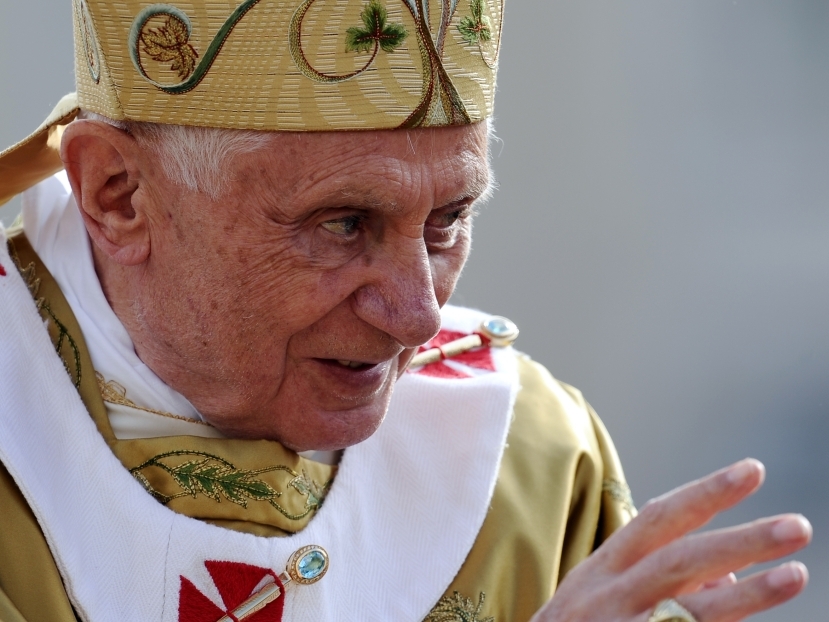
(457,608)
(93,58)
(478,27)
(619,492)
(308,487)
(114,393)
(169,43)
(57,329)
(32,282)
(28,274)
(216,478)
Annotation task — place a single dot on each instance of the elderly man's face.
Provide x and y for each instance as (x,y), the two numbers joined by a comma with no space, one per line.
(287,309)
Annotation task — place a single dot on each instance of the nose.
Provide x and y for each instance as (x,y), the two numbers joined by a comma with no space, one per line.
(400,299)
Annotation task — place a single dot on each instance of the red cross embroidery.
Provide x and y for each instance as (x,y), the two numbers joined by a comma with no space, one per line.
(479,358)
(2,270)
(235,583)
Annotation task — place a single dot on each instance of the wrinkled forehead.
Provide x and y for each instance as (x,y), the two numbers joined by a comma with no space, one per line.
(409,144)
(373,166)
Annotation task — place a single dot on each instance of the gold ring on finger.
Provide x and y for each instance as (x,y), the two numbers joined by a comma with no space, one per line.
(671,611)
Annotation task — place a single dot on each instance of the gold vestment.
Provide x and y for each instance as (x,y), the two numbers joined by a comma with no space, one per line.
(560,490)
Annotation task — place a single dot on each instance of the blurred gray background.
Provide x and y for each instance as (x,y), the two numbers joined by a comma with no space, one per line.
(661,234)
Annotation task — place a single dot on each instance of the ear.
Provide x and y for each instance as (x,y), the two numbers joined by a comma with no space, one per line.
(103,166)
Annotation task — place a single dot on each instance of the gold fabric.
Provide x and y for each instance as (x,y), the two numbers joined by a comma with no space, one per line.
(37,157)
(302,65)
(550,508)
(560,492)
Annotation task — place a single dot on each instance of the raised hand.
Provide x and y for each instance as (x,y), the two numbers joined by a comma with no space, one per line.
(654,558)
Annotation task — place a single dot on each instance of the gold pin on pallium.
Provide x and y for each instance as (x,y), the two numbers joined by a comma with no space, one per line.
(305,566)
(496,331)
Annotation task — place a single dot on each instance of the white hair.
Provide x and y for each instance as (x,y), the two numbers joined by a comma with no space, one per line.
(196,157)
(193,157)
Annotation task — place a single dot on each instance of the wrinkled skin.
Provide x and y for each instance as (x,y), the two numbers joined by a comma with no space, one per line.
(343,246)
(327,246)
(657,556)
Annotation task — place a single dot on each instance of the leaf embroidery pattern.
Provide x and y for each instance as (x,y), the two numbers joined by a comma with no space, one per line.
(375,31)
(218,479)
(65,340)
(169,43)
(308,487)
(457,608)
(478,27)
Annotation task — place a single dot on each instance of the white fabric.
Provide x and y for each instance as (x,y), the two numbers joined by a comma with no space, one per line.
(400,519)
(56,231)
(129,423)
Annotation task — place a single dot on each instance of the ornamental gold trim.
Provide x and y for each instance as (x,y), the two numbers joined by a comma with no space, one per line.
(212,476)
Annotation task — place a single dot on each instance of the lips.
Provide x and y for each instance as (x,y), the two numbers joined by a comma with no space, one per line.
(353,379)
(352,364)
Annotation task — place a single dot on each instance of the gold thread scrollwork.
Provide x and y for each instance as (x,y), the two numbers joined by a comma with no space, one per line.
(458,608)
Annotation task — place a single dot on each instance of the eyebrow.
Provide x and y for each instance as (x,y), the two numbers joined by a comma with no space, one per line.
(479,189)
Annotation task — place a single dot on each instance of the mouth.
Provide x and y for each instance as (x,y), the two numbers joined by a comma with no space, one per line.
(352,378)
(353,364)
(347,364)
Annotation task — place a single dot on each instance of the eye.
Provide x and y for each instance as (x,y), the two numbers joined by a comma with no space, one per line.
(346,226)
(446,219)
(444,226)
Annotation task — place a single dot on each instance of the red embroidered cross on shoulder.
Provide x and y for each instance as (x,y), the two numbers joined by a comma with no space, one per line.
(235,582)
(479,358)
(2,270)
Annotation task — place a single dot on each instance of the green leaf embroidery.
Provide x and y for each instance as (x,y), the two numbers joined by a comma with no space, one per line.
(375,31)
(478,27)
(457,608)
(218,479)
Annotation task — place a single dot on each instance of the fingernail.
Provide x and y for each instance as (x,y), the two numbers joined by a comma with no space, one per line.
(741,471)
(791,528)
(785,575)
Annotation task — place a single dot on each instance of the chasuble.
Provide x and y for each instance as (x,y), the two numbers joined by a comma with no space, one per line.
(557,491)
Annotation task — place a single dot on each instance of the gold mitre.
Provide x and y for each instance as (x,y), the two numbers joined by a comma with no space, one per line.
(284,65)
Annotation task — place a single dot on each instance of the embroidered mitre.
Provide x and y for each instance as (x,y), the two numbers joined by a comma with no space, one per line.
(298,65)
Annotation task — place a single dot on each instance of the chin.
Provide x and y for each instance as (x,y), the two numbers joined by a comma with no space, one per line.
(301,423)
(334,430)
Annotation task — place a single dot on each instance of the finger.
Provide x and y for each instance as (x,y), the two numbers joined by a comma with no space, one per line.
(753,594)
(729,579)
(680,511)
(684,565)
